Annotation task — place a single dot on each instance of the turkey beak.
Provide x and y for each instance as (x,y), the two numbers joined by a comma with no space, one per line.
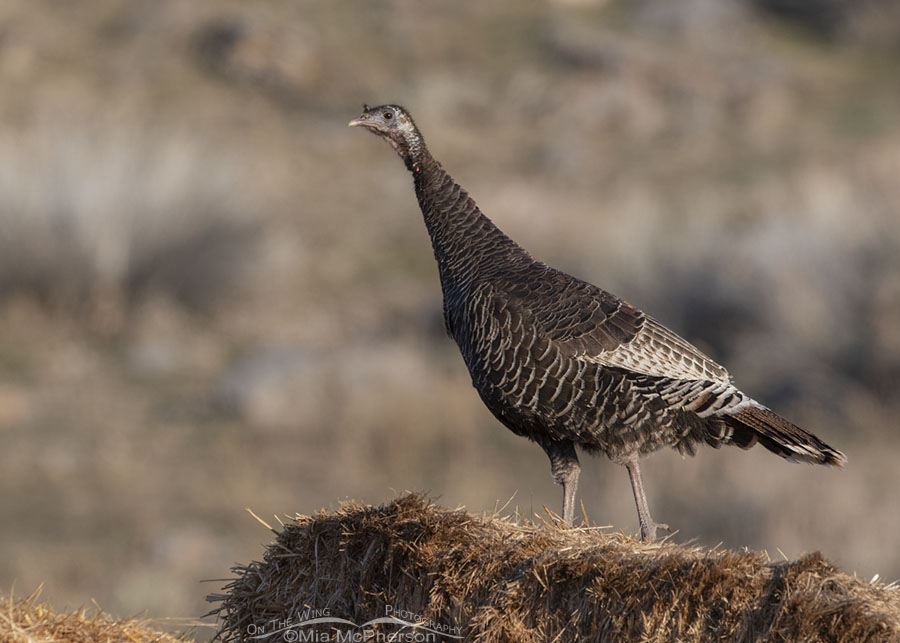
(359,120)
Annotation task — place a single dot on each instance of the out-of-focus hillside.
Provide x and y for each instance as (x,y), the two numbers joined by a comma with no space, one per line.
(214,295)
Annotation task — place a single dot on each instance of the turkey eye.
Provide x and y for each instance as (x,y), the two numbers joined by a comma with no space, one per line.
(388,116)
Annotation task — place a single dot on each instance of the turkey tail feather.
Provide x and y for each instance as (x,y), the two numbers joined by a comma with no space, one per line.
(784,438)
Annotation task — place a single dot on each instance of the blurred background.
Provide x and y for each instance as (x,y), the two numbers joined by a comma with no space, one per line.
(214,295)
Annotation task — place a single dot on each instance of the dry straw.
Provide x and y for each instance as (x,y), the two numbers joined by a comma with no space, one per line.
(496,580)
(30,621)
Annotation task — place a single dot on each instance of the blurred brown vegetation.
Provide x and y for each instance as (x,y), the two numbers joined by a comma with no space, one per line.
(214,295)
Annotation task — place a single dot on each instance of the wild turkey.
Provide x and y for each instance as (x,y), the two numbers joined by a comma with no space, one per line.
(566,364)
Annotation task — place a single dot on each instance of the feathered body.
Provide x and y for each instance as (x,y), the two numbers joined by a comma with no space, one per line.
(565,363)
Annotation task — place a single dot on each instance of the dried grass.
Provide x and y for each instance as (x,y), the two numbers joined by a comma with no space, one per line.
(499,580)
(30,621)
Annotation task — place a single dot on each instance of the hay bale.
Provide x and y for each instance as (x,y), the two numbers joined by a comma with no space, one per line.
(29,621)
(495,580)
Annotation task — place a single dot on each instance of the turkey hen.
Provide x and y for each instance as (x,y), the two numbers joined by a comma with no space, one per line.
(566,364)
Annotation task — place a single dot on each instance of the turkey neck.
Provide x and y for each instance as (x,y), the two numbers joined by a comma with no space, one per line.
(464,240)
